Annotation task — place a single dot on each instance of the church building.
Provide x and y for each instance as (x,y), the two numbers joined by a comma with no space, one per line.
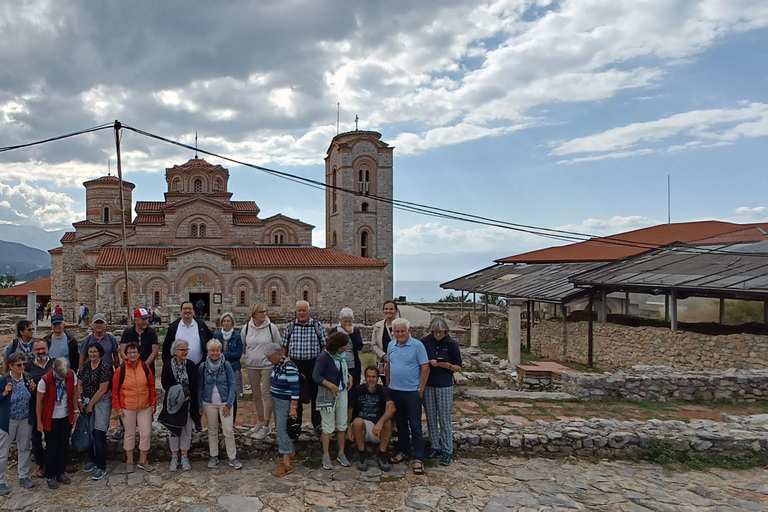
(199,244)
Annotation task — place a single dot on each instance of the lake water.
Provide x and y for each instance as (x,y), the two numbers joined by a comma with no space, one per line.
(420,291)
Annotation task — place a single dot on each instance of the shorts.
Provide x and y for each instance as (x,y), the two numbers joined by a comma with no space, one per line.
(369,437)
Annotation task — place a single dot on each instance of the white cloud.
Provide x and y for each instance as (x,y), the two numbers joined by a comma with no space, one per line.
(606,156)
(37,206)
(605,227)
(752,214)
(704,126)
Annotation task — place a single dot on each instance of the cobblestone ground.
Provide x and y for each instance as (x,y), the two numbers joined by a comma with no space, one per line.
(496,484)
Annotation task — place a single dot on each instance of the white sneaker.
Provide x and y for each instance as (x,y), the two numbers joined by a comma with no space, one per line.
(259,432)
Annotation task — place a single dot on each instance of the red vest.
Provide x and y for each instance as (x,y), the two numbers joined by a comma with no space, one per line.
(49,399)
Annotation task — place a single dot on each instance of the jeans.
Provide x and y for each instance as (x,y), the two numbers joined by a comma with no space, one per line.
(306,367)
(282,409)
(438,403)
(57,447)
(99,449)
(410,437)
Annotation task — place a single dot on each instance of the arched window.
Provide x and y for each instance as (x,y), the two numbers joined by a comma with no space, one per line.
(274,294)
(202,230)
(364,207)
(242,297)
(125,298)
(156,298)
(279,238)
(273,297)
(305,295)
(217,184)
(176,185)
(198,186)
(364,181)
(193,231)
(333,239)
(106,214)
(364,244)
(333,191)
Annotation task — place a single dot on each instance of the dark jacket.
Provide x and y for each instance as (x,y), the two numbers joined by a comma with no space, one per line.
(357,342)
(5,403)
(325,369)
(447,350)
(167,380)
(234,349)
(74,352)
(203,330)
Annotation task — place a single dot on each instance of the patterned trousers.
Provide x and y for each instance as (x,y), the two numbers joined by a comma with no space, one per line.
(438,403)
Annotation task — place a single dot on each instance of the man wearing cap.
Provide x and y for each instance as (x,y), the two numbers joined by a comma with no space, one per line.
(197,334)
(61,343)
(108,342)
(145,336)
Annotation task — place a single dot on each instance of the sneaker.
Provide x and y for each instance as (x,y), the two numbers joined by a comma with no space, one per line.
(235,464)
(185,465)
(198,426)
(434,454)
(383,463)
(327,464)
(146,466)
(362,462)
(4,489)
(259,432)
(63,479)
(342,459)
(130,468)
(174,464)
(445,460)
(119,433)
(213,462)
(25,483)
(52,483)
(89,467)
(98,474)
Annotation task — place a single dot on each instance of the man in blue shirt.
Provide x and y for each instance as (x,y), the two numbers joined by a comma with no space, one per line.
(407,372)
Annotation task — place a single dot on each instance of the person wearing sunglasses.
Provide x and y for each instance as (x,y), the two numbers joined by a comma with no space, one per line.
(16,419)
(21,343)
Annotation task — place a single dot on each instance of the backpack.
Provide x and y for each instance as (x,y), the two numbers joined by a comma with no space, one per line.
(317,325)
(24,375)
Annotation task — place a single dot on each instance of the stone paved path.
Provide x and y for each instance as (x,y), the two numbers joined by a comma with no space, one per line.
(496,484)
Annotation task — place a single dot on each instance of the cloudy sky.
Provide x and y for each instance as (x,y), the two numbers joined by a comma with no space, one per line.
(563,114)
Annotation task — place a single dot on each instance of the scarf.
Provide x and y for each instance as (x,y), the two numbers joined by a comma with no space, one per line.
(61,387)
(227,334)
(214,367)
(343,365)
(180,372)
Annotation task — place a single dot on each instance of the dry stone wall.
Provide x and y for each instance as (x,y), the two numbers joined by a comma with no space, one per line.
(662,384)
(621,347)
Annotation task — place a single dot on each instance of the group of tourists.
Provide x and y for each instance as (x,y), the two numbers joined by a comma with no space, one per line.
(50,383)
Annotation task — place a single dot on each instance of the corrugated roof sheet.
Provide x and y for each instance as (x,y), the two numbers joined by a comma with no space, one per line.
(543,282)
(244,257)
(627,244)
(738,269)
(42,286)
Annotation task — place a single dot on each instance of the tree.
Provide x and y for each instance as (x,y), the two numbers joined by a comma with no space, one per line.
(494,300)
(453,298)
(7,281)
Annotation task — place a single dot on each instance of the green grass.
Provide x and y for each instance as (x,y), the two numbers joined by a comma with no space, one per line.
(367,359)
(312,463)
(665,453)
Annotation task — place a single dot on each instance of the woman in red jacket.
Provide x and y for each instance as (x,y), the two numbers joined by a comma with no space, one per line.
(56,412)
(134,398)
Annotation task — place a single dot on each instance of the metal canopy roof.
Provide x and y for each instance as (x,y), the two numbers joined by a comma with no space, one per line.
(737,270)
(542,282)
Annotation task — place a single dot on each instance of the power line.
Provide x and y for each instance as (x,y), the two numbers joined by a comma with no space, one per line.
(59,137)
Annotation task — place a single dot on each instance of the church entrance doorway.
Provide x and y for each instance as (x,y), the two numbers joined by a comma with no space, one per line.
(202,303)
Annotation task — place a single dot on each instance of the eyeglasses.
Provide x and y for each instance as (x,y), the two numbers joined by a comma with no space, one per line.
(182,350)
(29,329)
(22,363)
(261,311)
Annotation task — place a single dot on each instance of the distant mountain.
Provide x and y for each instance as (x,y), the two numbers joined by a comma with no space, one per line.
(35,274)
(18,259)
(31,236)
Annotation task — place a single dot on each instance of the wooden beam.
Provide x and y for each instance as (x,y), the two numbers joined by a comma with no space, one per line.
(673,309)
(722,311)
(590,334)
(529,311)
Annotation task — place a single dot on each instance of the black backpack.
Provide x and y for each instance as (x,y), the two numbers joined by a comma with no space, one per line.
(122,374)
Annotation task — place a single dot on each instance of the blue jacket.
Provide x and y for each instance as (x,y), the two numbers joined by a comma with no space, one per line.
(5,404)
(325,369)
(234,349)
(224,380)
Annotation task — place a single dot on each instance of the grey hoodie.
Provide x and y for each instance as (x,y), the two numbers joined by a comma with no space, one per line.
(255,340)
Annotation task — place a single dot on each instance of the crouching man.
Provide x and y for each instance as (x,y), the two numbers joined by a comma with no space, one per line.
(370,415)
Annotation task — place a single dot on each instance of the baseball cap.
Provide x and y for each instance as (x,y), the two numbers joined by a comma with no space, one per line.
(141,313)
(99,317)
(57,319)
(293,427)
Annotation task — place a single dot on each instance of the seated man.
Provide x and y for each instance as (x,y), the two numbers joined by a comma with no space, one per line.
(370,416)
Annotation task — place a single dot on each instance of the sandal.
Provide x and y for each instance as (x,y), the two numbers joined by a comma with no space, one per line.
(284,470)
(418,468)
(399,458)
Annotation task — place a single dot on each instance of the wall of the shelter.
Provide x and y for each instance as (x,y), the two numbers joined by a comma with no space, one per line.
(619,346)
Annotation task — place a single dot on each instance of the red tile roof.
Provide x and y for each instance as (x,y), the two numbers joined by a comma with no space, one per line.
(244,257)
(56,250)
(69,236)
(751,234)
(246,219)
(42,286)
(149,219)
(245,206)
(627,244)
(142,206)
(196,163)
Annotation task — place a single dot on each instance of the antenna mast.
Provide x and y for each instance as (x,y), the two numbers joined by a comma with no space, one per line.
(669,201)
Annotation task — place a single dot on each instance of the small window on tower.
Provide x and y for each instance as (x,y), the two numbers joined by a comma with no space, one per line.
(156,300)
(242,297)
(364,207)
(193,231)
(364,244)
(202,230)
(106,214)
(279,238)
(198,186)
(125,298)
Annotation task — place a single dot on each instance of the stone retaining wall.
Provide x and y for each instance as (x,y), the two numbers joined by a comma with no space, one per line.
(620,346)
(661,384)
